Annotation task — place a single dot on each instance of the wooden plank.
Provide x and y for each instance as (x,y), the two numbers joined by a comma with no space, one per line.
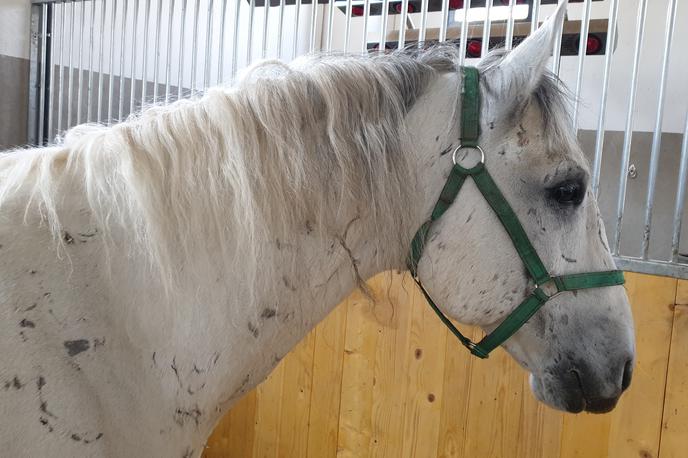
(296,399)
(540,428)
(636,422)
(674,439)
(268,413)
(682,293)
(355,429)
(585,436)
(323,423)
(425,374)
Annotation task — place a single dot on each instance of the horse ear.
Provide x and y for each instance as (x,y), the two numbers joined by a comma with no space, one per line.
(521,70)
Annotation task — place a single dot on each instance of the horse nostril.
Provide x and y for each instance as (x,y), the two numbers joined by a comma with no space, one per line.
(627,375)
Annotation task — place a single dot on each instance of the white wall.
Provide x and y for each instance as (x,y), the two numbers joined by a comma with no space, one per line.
(14,28)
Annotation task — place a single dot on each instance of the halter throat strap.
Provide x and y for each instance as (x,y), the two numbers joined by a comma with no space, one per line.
(546,286)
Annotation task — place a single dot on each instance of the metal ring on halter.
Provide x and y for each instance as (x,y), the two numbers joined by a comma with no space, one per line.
(477,167)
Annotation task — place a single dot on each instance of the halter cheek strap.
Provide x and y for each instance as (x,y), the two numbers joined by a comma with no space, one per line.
(546,286)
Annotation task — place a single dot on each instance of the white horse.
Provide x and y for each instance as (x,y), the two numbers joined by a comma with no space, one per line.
(153,272)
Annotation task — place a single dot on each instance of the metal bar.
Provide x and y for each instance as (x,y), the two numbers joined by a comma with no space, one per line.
(51,76)
(651,267)
(156,57)
(111,84)
(556,61)
(235,38)
(180,70)
(657,135)
(383,28)
(534,15)
(599,140)
(628,131)
(194,47)
(168,54)
(220,64)
(423,22)
(402,24)
(70,68)
(144,71)
(79,84)
(330,25)
(264,38)
(297,15)
(280,29)
(120,102)
(42,63)
(208,41)
(509,40)
(61,70)
(680,195)
(366,18)
(249,38)
(99,115)
(347,28)
(464,31)
(582,52)
(34,74)
(89,90)
(487,26)
(445,20)
(314,24)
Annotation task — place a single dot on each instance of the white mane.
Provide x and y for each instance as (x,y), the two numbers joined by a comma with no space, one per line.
(215,179)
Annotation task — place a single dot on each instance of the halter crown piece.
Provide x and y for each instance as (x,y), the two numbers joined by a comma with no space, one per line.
(546,285)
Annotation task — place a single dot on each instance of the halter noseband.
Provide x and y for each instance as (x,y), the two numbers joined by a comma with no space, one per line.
(546,286)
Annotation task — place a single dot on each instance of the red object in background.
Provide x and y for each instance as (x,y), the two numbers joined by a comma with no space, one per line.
(410,8)
(474,48)
(594,44)
(455,4)
(357,11)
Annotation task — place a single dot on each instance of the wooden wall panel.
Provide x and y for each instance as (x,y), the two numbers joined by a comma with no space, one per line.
(385,379)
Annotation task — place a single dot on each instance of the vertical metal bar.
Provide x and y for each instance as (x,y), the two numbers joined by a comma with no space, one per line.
(182,44)
(235,38)
(99,107)
(34,74)
(402,24)
(487,29)
(384,13)
(297,16)
(266,16)
(44,59)
(194,47)
(251,23)
(347,27)
(464,31)
(445,20)
(208,41)
(556,61)
(144,75)
(657,135)
(314,24)
(71,69)
(509,44)
(79,84)
(111,85)
(51,85)
(534,15)
(280,29)
(220,64)
(366,18)
(582,51)
(424,22)
(628,131)
(168,54)
(330,25)
(89,90)
(132,71)
(156,59)
(120,102)
(680,195)
(599,140)
(61,69)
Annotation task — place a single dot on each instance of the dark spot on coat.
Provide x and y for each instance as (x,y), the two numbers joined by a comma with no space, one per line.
(175,370)
(268,313)
(491,125)
(568,259)
(68,239)
(31,307)
(309,227)
(98,342)
(188,453)
(501,152)
(469,217)
(437,138)
(532,211)
(32,272)
(76,437)
(27,323)
(278,243)
(447,150)
(288,284)
(181,416)
(599,234)
(40,383)
(254,329)
(522,136)
(74,347)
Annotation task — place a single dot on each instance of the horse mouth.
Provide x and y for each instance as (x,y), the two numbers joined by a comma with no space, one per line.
(590,404)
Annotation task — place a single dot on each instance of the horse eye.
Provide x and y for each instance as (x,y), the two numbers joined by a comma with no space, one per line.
(568,193)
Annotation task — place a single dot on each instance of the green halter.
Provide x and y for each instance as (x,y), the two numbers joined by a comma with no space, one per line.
(546,286)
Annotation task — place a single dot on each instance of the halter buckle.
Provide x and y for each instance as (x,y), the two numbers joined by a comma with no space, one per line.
(549,288)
